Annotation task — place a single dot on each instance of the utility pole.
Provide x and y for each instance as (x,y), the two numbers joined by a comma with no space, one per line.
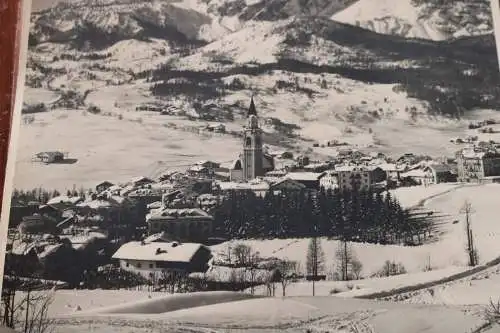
(471,251)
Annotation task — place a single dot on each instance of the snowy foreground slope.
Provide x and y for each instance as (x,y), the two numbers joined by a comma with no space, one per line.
(291,314)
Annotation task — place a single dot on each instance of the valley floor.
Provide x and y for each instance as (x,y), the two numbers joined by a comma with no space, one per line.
(121,143)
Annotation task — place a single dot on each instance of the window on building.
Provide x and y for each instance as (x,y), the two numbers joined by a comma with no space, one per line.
(151,265)
(127,264)
(139,265)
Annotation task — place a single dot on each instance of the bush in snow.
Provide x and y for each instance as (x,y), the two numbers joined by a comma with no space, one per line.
(492,312)
(391,268)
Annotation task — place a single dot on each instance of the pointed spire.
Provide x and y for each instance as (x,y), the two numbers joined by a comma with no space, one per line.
(252,110)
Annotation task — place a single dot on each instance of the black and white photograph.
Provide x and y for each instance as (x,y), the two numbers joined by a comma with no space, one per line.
(257,166)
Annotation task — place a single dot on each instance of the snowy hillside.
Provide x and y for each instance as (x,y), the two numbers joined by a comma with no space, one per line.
(420,19)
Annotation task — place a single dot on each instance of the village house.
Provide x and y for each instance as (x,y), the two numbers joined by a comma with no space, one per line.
(417,176)
(378,175)
(257,186)
(141,181)
(186,224)
(302,161)
(155,255)
(392,170)
(103,186)
(477,165)
(309,179)
(146,195)
(354,177)
(408,158)
(439,173)
(63,202)
(207,201)
(208,164)
(50,157)
(317,167)
(286,185)
(200,171)
(329,181)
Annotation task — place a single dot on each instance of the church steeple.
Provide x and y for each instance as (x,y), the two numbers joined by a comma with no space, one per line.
(252,111)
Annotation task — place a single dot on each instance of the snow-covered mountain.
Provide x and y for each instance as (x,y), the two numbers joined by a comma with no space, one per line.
(427,19)
(111,20)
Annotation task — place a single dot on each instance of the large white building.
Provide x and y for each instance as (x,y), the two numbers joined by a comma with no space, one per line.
(156,254)
(351,177)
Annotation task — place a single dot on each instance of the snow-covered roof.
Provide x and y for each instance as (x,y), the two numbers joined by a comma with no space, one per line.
(351,168)
(49,249)
(64,199)
(96,204)
(174,214)
(197,168)
(141,179)
(81,240)
(228,186)
(234,164)
(418,173)
(158,251)
(155,205)
(438,167)
(316,165)
(389,167)
(304,176)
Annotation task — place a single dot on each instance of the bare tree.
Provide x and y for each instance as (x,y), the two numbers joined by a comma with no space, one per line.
(315,260)
(169,280)
(472,254)
(347,262)
(242,254)
(270,286)
(29,312)
(252,262)
(288,271)
(36,312)
(356,268)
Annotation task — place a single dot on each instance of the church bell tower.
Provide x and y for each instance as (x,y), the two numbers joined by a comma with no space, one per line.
(253,156)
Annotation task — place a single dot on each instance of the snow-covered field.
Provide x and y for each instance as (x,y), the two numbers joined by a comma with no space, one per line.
(291,314)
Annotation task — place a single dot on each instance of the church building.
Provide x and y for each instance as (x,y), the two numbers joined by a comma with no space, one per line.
(253,162)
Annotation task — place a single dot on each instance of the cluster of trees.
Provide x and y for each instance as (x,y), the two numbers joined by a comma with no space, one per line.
(361,216)
(42,195)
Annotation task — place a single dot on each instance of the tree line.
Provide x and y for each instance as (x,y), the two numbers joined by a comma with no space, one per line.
(362,216)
